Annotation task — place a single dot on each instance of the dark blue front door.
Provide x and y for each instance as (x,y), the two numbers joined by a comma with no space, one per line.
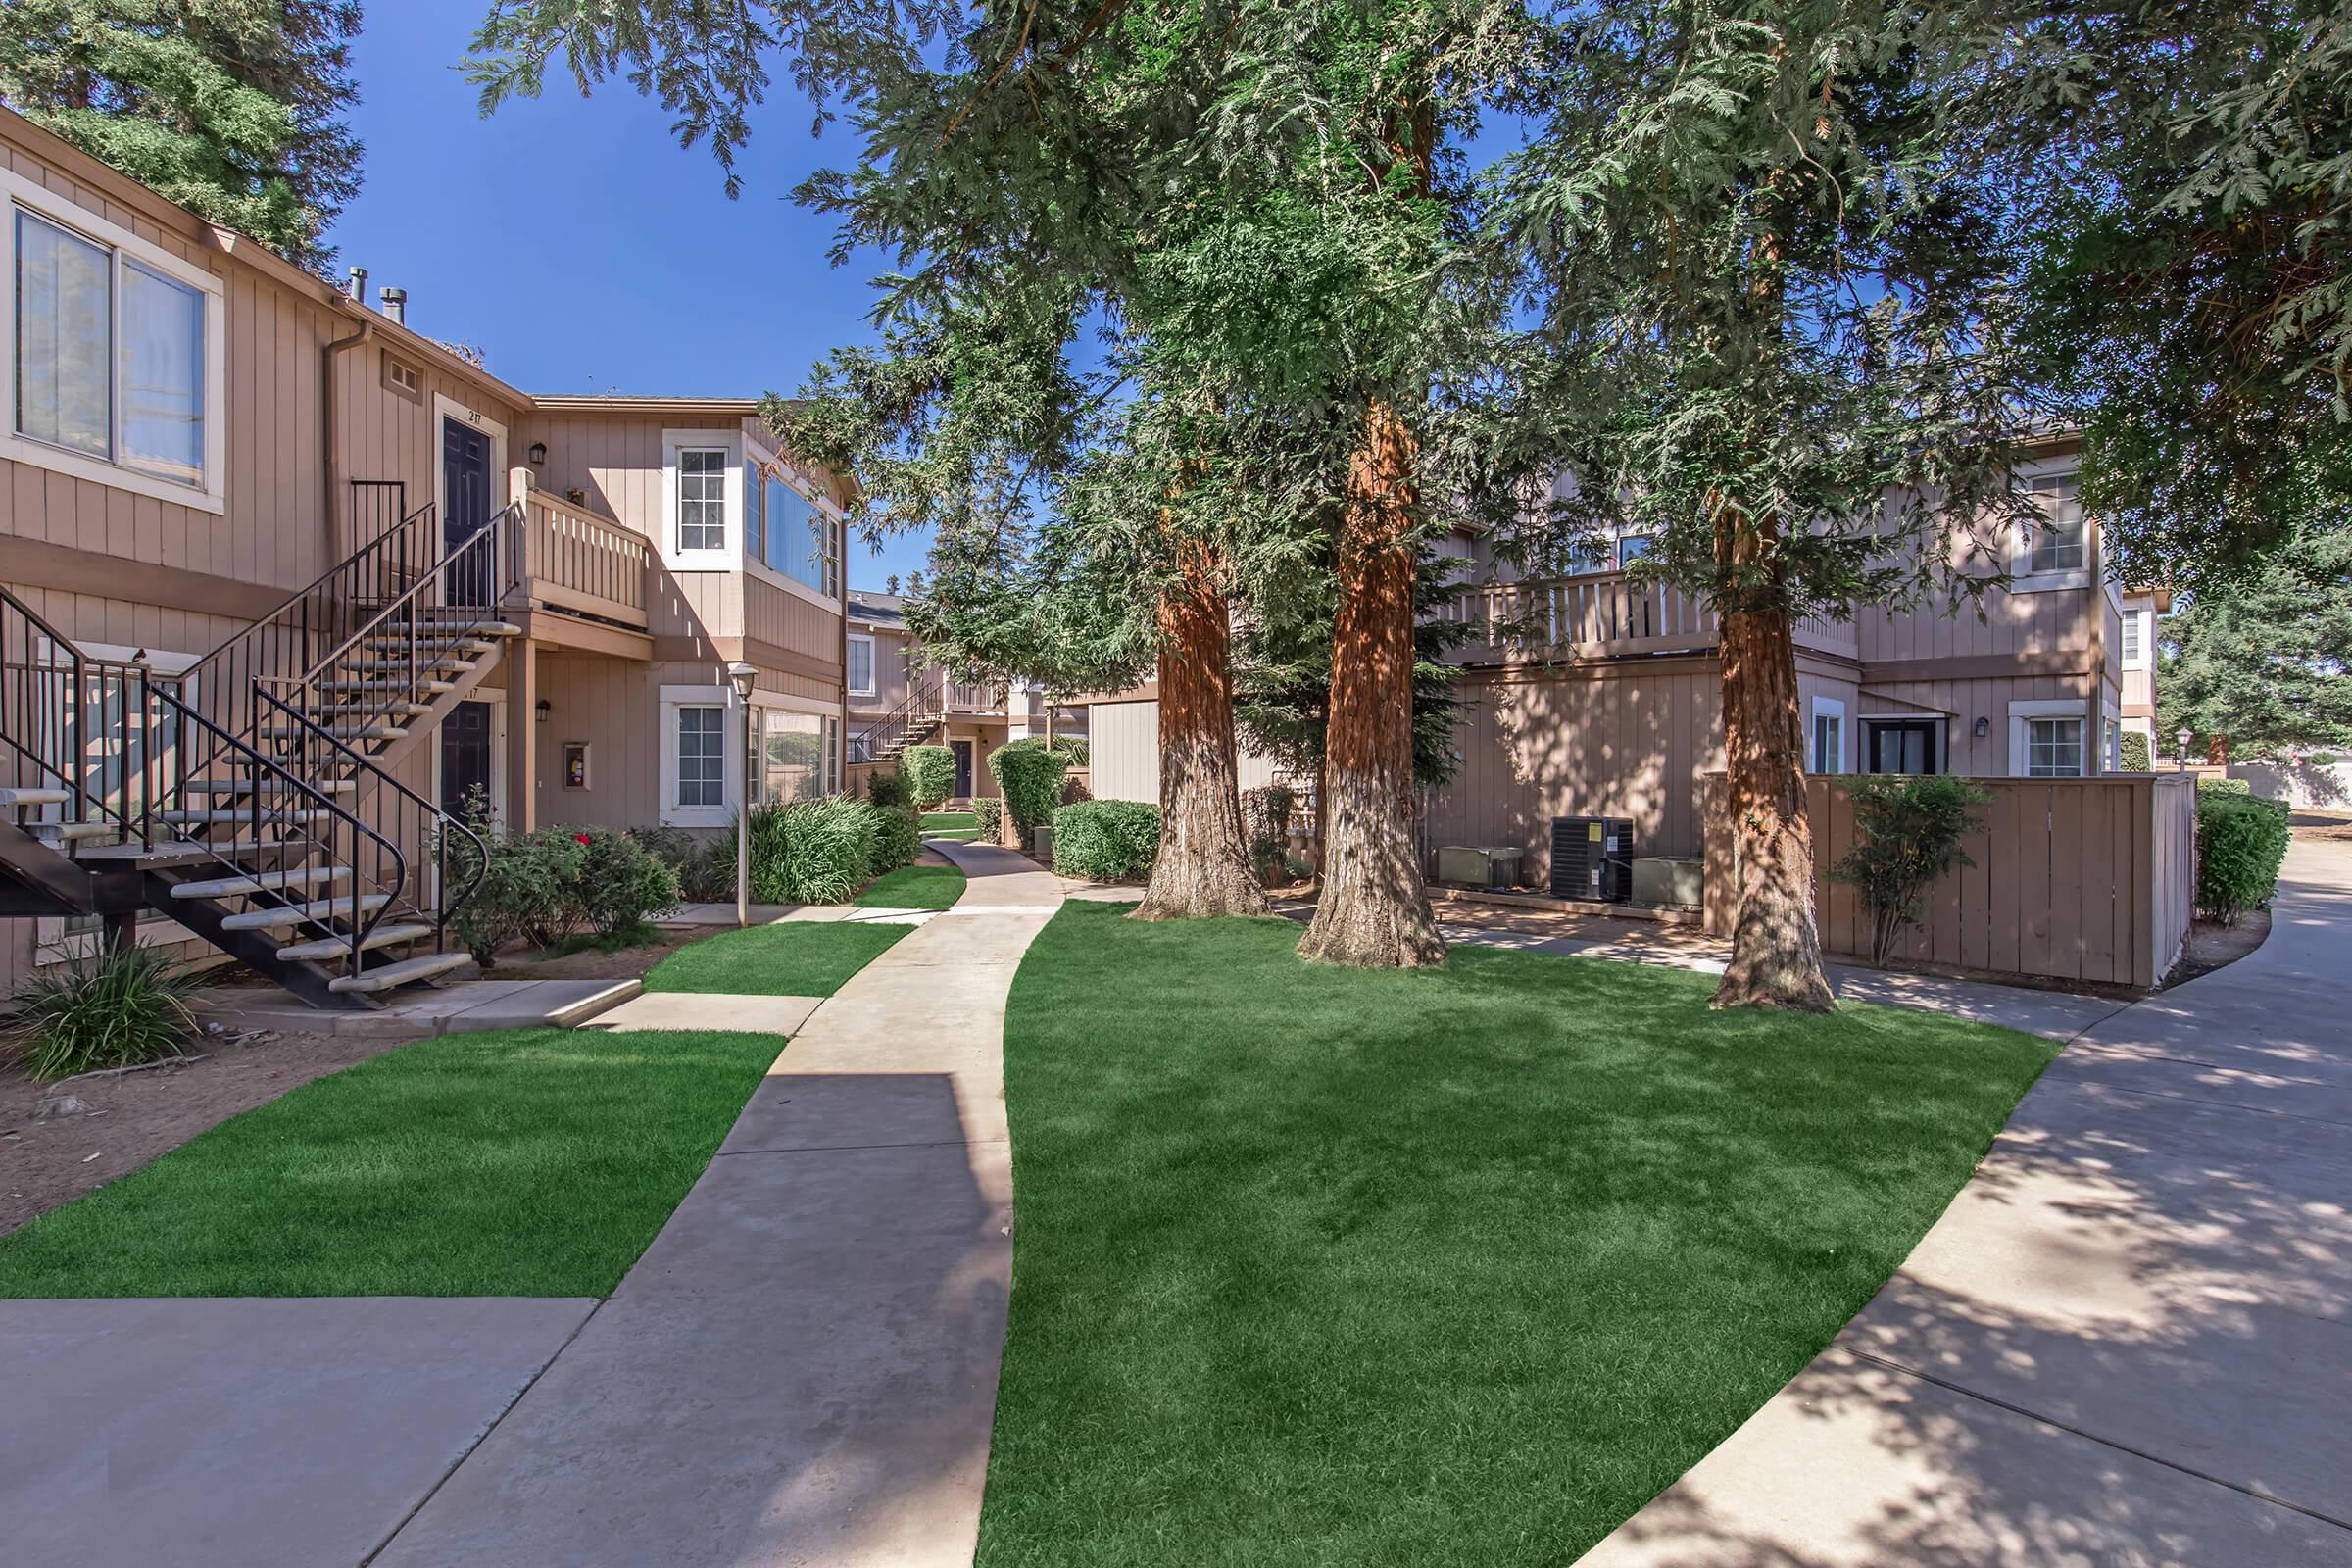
(465,757)
(465,479)
(963,768)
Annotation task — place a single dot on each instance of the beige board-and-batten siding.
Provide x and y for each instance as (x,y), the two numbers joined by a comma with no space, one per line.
(1122,754)
(2076,879)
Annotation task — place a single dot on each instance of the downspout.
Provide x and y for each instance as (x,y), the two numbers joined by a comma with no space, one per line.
(331,471)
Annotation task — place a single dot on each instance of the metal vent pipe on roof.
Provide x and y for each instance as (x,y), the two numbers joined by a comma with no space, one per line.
(357,289)
(396,304)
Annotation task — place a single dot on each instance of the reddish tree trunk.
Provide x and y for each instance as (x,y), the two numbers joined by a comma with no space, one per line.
(1202,867)
(1373,910)
(1776,947)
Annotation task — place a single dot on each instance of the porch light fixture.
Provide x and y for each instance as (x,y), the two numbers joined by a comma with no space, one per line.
(541,709)
(1983,727)
(741,676)
(538,453)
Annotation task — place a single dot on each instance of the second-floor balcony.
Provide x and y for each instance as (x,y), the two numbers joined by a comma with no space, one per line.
(1602,616)
(580,561)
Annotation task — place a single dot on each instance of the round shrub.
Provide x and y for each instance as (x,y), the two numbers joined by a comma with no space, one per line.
(1106,840)
(990,812)
(1028,775)
(2241,843)
(887,787)
(622,883)
(897,838)
(930,773)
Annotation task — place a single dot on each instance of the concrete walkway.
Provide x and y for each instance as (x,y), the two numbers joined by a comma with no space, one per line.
(802,1367)
(2129,1340)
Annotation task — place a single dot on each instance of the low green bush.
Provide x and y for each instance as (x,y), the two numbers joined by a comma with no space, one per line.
(621,885)
(118,1009)
(897,838)
(1029,775)
(2241,843)
(524,894)
(2134,752)
(1106,840)
(1907,833)
(887,787)
(989,812)
(822,851)
(2224,786)
(930,773)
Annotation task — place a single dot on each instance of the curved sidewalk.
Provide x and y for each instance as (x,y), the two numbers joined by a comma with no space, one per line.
(2129,1340)
(802,1369)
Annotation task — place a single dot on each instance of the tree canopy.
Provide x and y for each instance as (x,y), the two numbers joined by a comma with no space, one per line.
(2266,662)
(231,107)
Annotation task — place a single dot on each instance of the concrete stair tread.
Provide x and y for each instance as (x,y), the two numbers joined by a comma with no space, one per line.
(394,975)
(383,936)
(262,882)
(233,785)
(341,732)
(170,853)
(73,832)
(455,665)
(316,913)
(13,794)
(435,687)
(229,814)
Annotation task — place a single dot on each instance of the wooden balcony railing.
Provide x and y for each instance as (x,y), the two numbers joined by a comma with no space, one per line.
(584,562)
(1598,616)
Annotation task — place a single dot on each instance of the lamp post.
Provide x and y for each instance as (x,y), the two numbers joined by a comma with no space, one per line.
(741,675)
(2184,737)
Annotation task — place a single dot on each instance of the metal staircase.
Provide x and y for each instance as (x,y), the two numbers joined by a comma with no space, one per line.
(913,721)
(256,797)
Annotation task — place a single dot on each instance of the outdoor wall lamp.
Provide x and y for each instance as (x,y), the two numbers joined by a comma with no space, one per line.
(741,676)
(541,709)
(538,453)
(1983,727)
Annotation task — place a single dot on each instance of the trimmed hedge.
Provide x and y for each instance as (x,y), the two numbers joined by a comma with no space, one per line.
(1106,840)
(989,812)
(888,787)
(2134,753)
(2241,843)
(1029,776)
(898,839)
(930,774)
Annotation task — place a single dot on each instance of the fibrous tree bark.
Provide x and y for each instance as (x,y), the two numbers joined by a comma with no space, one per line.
(1776,946)
(1202,867)
(1373,910)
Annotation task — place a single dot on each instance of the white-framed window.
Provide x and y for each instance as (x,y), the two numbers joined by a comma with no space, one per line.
(861,665)
(1828,752)
(2059,543)
(2047,738)
(702,778)
(702,480)
(2137,634)
(116,362)
(755,511)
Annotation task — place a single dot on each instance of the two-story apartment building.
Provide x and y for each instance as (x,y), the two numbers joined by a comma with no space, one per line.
(283,581)
(897,699)
(1612,705)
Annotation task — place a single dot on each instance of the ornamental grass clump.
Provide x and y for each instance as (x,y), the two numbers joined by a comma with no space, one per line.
(1907,834)
(121,1008)
(1105,841)
(2241,844)
(816,852)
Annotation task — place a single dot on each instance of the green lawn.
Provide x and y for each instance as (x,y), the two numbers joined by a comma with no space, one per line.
(523,1162)
(1461,1266)
(913,887)
(958,827)
(794,959)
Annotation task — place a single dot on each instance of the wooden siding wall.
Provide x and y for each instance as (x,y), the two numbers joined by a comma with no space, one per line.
(892,651)
(2073,880)
(615,705)
(1968,701)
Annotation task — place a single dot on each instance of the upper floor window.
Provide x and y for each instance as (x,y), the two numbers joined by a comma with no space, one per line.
(755,512)
(702,497)
(2059,542)
(803,541)
(113,360)
(862,666)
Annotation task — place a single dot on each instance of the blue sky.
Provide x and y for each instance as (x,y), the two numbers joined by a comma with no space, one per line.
(580,248)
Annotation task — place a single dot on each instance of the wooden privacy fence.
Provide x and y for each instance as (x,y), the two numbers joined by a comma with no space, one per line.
(2089,879)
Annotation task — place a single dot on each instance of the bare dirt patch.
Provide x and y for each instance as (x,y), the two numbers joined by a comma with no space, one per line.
(130,1119)
(591,964)
(2210,947)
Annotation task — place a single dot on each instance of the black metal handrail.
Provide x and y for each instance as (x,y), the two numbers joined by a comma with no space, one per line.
(45,716)
(276,797)
(923,706)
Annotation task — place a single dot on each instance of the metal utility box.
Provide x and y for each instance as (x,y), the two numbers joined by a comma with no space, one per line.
(1593,857)
(1489,865)
(1670,879)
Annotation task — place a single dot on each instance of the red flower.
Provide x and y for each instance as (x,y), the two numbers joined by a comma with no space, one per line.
(579,838)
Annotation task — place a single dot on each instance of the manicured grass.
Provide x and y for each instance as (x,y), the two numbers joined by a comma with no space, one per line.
(957,827)
(913,887)
(1461,1266)
(796,958)
(523,1162)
